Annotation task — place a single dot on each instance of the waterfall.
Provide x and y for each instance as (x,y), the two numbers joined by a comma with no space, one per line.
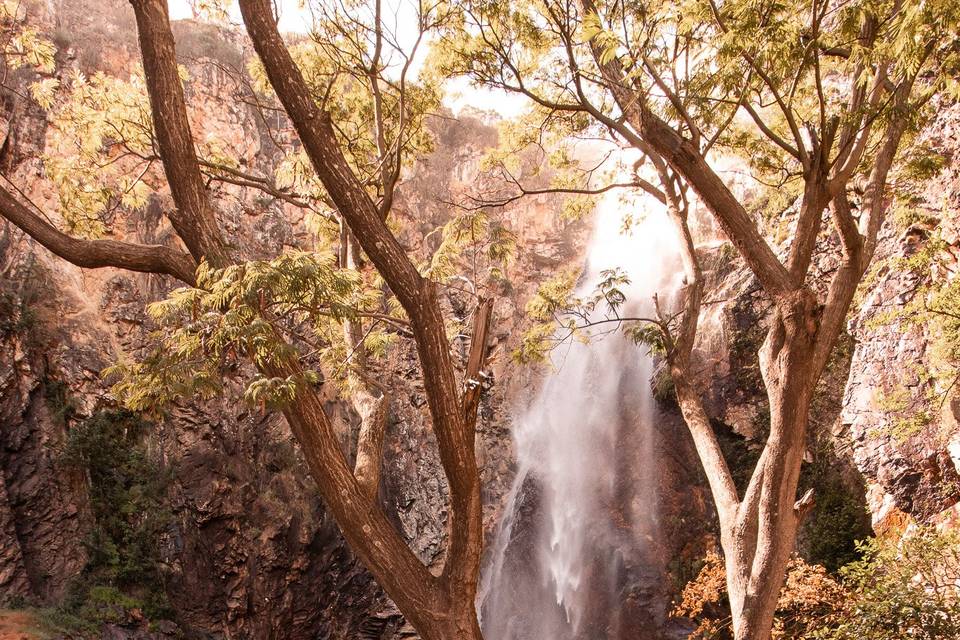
(575,555)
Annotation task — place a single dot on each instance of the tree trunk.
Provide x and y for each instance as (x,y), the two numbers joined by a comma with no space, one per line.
(459,623)
(194,218)
(762,539)
(418,296)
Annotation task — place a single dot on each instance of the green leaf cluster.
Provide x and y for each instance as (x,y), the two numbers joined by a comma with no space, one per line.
(267,312)
(131,519)
(379,113)
(101,149)
(559,314)
(905,590)
(22,46)
(476,242)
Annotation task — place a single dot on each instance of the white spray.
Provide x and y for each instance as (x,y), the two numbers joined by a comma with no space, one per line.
(581,519)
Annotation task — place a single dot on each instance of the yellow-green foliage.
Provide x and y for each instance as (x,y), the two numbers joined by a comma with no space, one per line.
(559,314)
(22,46)
(901,590)
(474,238)
(258,310)
(102,149)
(932,304)
(102,158)
(907,413)
(334,71)
(102,142)
(699,62)
(552,298)
(538,149)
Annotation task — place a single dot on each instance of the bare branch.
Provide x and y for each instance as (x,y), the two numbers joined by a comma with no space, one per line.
(94,254)
(481,203)
(477,360)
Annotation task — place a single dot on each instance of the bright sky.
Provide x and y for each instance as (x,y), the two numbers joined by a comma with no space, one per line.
(295,18)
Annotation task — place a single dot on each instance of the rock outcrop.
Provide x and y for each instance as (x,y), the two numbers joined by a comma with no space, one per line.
(903,426)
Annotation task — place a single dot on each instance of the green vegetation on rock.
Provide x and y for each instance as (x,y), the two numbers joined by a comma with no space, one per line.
(122,579)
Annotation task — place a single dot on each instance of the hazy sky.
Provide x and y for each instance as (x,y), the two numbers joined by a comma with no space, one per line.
(294,19)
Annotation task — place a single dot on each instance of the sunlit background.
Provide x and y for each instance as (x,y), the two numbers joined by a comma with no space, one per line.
(295,18)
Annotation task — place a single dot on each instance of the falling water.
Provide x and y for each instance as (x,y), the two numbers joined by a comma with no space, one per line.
(576,556)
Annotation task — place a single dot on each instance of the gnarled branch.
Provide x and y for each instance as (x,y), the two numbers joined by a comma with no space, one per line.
(94,254)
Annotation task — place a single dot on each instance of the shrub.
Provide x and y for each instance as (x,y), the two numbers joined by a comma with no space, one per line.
(840,517)
(898,590)
(808,601)
(130,518)
(906,590)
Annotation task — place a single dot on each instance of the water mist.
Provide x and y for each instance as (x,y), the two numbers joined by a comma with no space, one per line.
(575,556)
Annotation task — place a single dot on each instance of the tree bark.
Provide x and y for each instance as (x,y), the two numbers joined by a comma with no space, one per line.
(195,218)
(94,254)
(765,532)
(417,295)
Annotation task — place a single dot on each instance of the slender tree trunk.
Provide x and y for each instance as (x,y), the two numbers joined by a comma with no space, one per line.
(457,586)
(194,218)
(762,539)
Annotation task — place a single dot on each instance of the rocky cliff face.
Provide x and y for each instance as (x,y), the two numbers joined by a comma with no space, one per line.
(903,427)
(250,551)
